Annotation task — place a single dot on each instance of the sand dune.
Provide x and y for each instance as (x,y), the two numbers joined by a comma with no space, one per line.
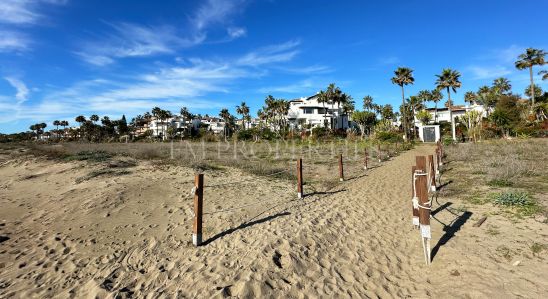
(129,236)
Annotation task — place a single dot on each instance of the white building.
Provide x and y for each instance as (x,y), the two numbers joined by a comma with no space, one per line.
(307,111)
(214,124)
(179,125)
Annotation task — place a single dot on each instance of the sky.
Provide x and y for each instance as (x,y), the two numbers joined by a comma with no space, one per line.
(64,58)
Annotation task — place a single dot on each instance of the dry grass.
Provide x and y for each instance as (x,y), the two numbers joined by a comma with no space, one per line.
(484,171)
(276,159)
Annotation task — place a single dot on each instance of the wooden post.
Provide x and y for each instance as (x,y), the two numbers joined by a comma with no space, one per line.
(198,209)
(379,152)
(300,178)
(365,160)
(415,211)
(424,213)
(431,173)
(341,171)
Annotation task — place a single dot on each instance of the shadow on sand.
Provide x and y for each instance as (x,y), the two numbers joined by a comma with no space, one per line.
(242,226)
(450,231)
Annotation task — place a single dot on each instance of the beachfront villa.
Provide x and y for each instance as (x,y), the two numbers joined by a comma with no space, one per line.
(308,111)
(159,128)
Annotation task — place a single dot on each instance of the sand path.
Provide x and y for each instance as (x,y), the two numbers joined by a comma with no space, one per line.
(355,240)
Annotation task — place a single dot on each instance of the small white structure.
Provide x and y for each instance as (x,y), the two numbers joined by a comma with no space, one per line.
(429,133)
(442,115)
(307,111)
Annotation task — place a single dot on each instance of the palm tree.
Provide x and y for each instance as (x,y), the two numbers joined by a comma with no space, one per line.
(436,97)
(501,86)
(403,76)
(528,59)
(94,118)
(449,79)
(470,97)
(323,98)
(368,103)
(57,123)
(225,115)
(243,110)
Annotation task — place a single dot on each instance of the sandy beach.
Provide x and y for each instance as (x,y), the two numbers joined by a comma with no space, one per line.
(129,236)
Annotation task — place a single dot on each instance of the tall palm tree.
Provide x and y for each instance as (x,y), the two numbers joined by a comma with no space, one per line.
(403,76)
(470,97)
(225,115)
(156,111)
(243,110)
(368,103)
(449,79)
(502,86)
(530,58)
(436,97)
(323,98)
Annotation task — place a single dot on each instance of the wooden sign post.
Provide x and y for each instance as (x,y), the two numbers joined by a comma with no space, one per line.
(198,209)
(300,178)
(341,170)
(431,173)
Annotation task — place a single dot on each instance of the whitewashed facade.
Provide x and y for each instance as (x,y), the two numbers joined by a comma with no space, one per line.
(307,111)
(159,128)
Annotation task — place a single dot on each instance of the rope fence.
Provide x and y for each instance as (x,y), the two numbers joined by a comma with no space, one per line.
(347,167)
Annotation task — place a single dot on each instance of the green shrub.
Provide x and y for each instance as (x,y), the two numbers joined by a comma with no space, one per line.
(387,136)
(512,199)
(500,183)
(320,132)
(245,134)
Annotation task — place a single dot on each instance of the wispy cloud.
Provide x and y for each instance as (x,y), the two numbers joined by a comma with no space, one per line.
(132,40)
(215,12)
(135,40)
(306,86)
(487,72)
(22,12)
(20,87)
(390,60)
(13,41)
(271,54)
(189,83)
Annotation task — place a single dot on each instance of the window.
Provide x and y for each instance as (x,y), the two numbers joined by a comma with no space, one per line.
(322,110)
(308,110)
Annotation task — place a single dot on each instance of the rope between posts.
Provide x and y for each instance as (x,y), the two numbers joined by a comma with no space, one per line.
(246,180)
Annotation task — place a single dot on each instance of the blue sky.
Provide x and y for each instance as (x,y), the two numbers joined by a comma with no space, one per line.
(63,58)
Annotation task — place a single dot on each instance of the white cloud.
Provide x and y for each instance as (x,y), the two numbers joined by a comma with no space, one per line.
(23,11)
(271,54)
(132,40)
(487,72)
(189,83)
(236,32)
(13,41)
(20,87)
(215,12)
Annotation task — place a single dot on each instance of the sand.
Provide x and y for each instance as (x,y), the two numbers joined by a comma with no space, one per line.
(129,236)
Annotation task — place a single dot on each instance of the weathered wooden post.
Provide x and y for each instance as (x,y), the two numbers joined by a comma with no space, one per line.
(414,199)
(366,157)
(379,152)
(198,209)
(431,173)
(341,171)
(300,178)
(424,212)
